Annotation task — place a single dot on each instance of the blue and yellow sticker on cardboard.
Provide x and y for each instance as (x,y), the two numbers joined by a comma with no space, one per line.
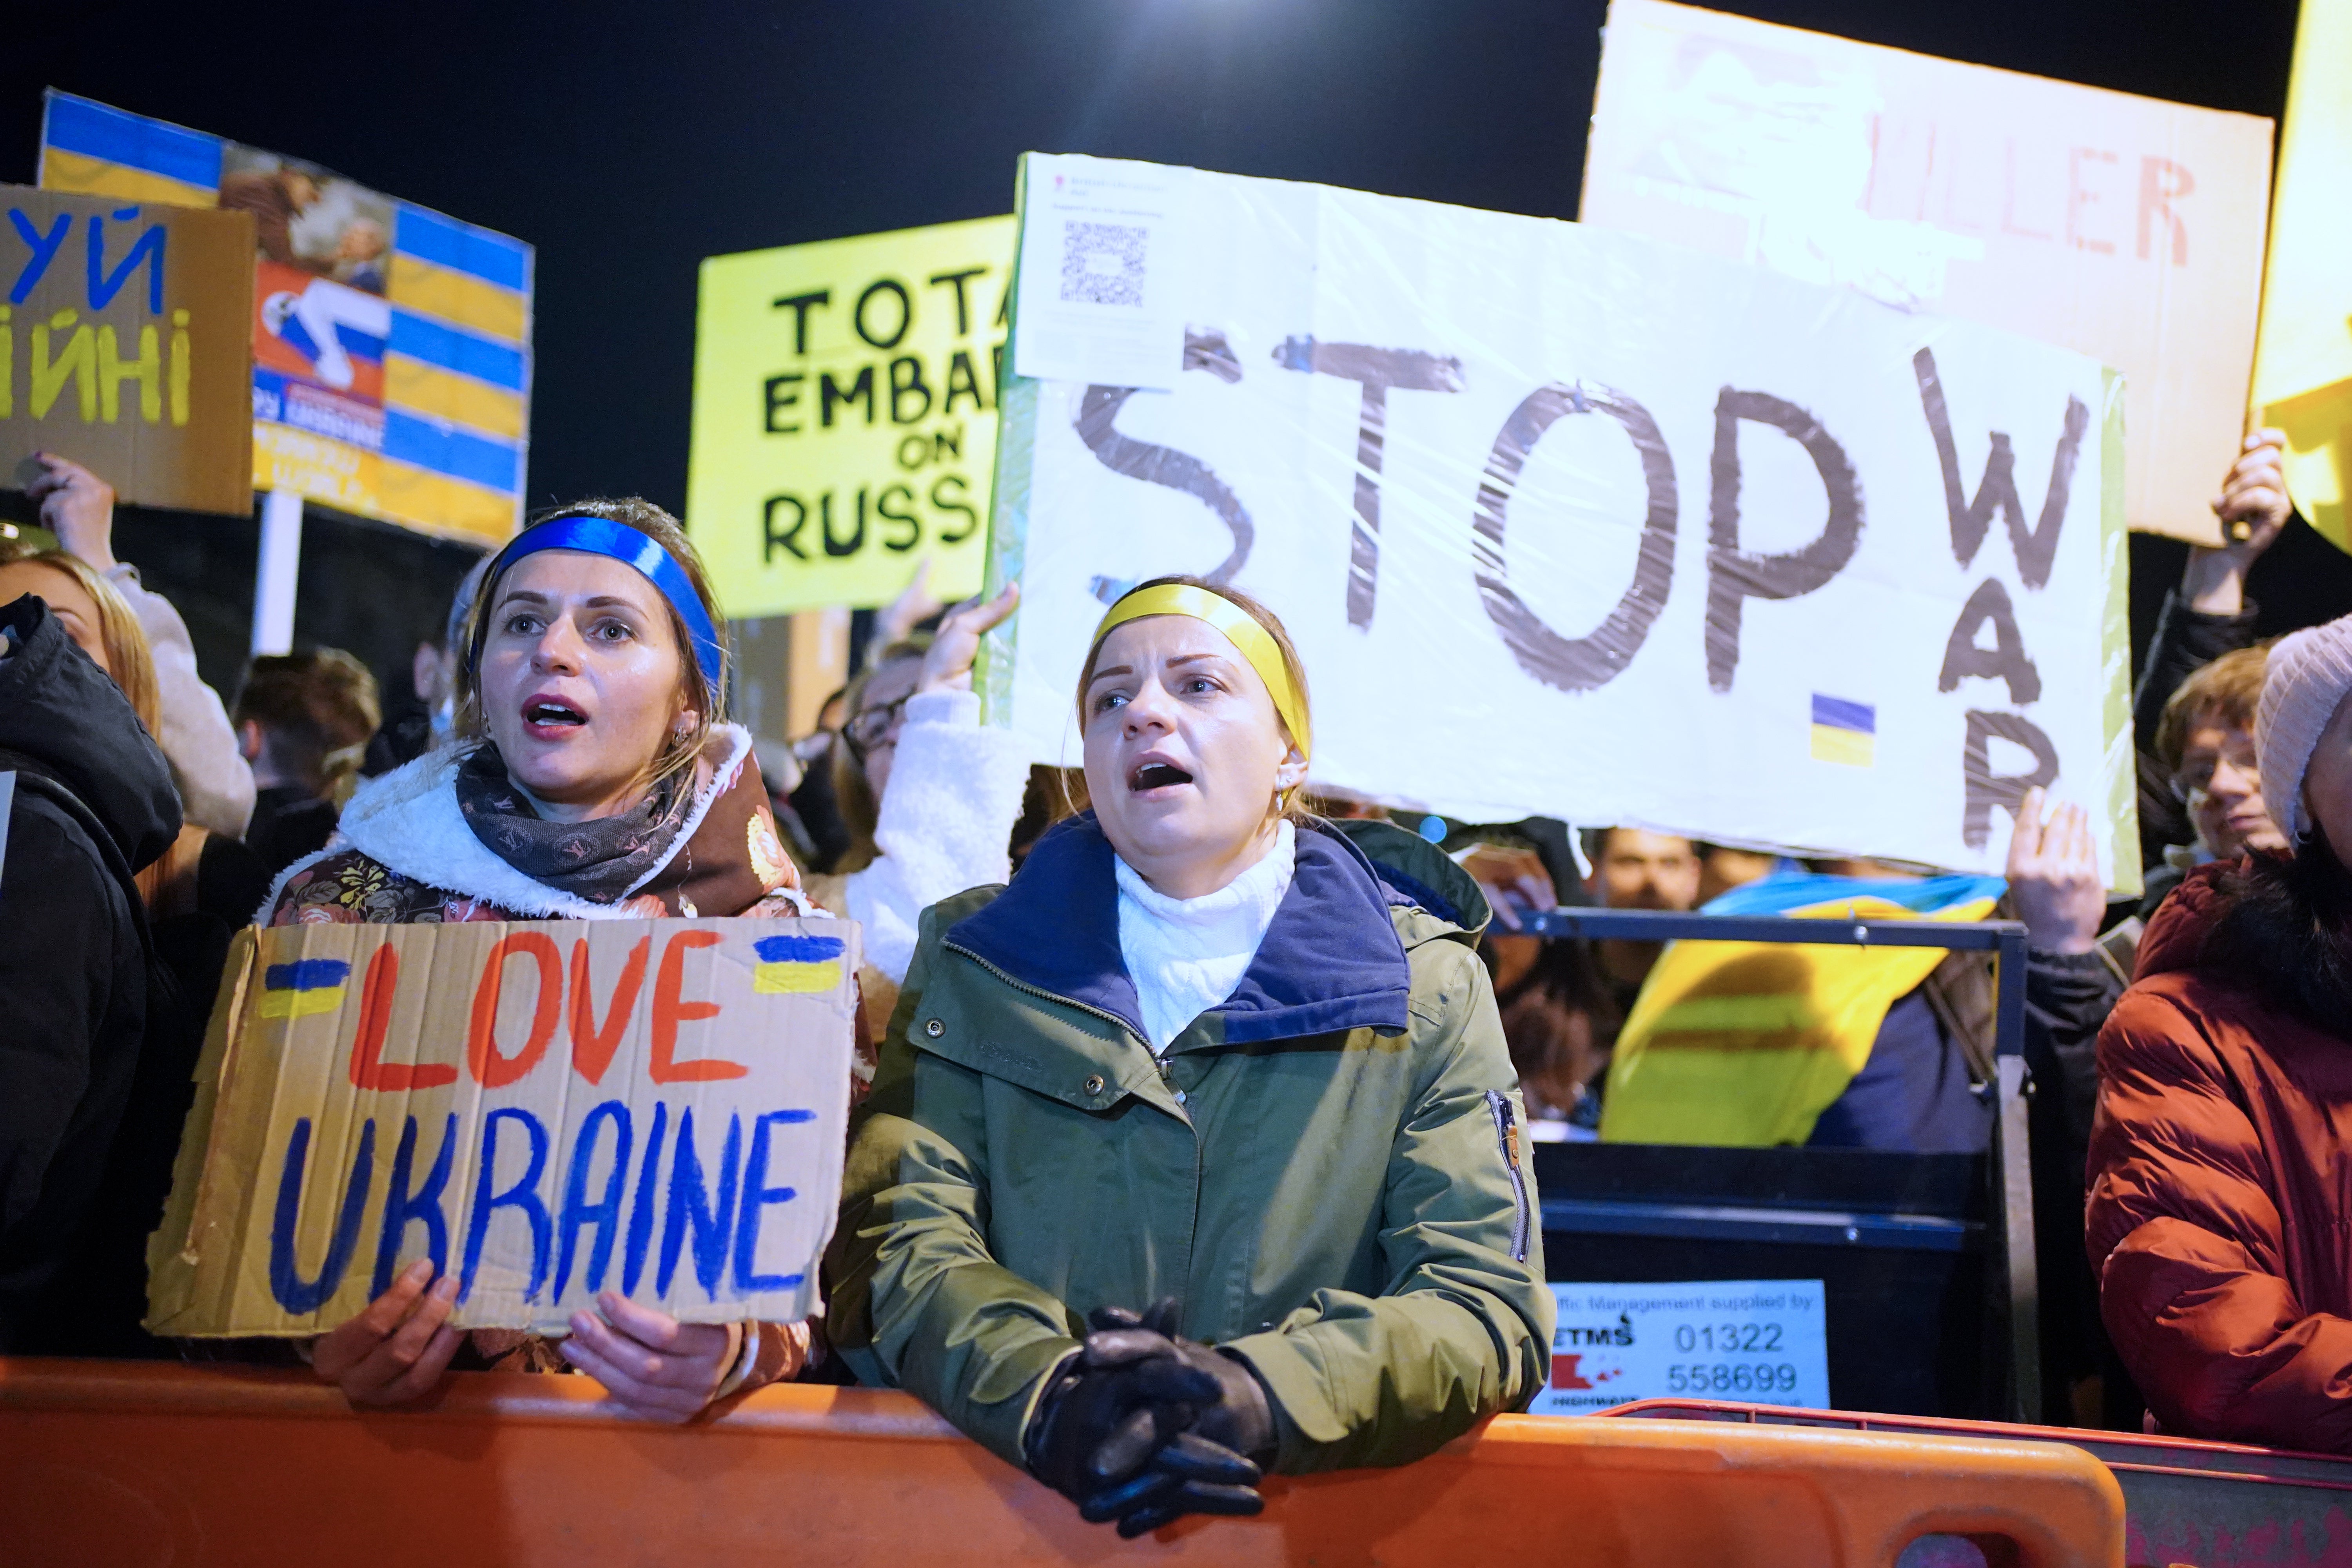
(795,964)
(304,987)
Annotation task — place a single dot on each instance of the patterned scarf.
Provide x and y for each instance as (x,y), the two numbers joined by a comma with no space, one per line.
(598,860)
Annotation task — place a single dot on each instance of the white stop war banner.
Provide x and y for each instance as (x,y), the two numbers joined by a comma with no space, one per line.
(1573,523)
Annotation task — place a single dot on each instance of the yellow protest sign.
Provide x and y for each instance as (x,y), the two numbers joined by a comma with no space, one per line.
(2303,368)
(844,415)
(544,1108)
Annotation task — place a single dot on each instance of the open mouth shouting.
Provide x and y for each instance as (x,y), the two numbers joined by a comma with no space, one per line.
(547,717)
(1153,773)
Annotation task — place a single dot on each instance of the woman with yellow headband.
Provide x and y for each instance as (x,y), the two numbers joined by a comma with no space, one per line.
(1194,1151)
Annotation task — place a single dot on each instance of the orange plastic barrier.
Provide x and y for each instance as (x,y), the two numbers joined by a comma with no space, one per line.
(132,1464)
(2186,1501)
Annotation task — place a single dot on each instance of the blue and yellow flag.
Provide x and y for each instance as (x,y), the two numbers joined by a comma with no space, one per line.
(432,430)
(1844,732)
(304,987)
(1745,1043)
(792,964)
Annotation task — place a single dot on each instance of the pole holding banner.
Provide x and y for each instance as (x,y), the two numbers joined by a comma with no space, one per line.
(275,577)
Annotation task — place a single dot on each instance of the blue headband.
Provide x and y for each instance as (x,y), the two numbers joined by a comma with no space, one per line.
(618,541)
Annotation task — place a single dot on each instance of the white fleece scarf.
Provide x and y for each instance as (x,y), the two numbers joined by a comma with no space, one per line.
(408,820)
(1186,955)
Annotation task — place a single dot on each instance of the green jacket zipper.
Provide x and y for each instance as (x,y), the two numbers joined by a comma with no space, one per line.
(1506,1144)
(1113,1019)
(1122,1025)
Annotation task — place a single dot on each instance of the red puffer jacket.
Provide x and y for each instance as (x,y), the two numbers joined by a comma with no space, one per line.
(2220,1220)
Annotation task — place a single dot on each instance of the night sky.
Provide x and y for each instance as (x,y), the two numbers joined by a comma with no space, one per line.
(627,142)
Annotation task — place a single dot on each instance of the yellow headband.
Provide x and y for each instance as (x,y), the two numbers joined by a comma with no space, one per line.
(1240,627)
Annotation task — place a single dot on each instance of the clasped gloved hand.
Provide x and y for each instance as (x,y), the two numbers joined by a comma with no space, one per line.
(1143,1427)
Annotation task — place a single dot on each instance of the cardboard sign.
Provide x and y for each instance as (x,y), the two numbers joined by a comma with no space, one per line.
(1571,523)
(2126,228)
(1762,1342)
(844,415)
(390,344)
(2303,372)
(122,345)
(546,1109)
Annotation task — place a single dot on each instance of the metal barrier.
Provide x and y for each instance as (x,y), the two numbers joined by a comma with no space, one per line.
(132,1464)
(2013,1274)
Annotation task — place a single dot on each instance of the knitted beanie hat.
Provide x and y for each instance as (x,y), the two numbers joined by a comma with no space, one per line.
(2306,677)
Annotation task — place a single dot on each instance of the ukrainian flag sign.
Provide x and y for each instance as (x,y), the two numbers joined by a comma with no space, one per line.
(391,345)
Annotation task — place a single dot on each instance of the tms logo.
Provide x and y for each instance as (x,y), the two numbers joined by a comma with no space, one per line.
(1619,1334)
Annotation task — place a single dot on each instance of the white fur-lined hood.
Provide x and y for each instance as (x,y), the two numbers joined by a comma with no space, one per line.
(408,820)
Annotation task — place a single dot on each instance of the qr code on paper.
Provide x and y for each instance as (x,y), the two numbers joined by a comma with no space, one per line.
(1102,263)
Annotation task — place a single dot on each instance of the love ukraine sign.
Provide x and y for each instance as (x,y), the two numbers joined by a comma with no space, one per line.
(546,1110)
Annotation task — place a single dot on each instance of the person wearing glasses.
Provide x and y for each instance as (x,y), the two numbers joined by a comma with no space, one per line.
(929,793)
(2205,741)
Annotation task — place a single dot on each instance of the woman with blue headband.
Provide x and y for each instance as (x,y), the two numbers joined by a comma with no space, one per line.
(592,778)
(1194,1151)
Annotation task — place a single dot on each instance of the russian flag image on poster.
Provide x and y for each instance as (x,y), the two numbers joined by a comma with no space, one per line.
(1843,732)
(320,328)
(793,965)
(307,985)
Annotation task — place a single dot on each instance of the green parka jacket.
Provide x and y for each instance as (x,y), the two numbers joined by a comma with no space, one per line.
(1325,1169)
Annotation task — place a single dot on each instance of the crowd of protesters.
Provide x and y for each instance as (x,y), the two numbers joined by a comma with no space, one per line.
(568,748)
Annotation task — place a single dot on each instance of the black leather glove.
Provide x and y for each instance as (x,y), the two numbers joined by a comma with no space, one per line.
(1227,1404)
(1095,1426)
(1203,1422)
(1188,1474)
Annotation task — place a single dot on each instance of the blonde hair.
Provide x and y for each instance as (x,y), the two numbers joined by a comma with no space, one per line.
(128,657)
(130,664)
(1287,804)
(708,707)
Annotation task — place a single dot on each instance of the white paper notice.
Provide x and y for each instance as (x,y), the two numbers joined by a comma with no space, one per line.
(1755,1341)
(1101,289)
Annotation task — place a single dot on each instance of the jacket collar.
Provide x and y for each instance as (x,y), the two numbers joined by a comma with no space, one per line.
(1331,959)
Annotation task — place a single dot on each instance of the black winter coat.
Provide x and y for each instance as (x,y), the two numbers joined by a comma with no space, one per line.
(73,965)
